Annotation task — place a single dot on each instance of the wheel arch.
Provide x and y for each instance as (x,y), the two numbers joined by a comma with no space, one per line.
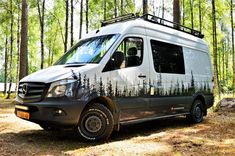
(201,97)
(110,104)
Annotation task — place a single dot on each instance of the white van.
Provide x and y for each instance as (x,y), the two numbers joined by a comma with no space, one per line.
(133,69)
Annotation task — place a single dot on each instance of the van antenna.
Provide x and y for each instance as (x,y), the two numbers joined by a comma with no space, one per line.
(74,75)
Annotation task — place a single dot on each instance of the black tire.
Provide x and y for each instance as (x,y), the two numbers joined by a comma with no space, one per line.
(96,123)
(196,113)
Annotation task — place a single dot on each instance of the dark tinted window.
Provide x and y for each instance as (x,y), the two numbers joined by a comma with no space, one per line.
(128,54)
(167,58)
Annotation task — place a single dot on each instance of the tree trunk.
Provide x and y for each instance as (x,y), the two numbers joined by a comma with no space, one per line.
(219,66)
(18,45)
(24,41)
(176,11)
(87,22)
(145,6)
(71,22)
(163,8)
(216,78)
(200,15)
(122,7)
(191,12)
(115,8)
(41,15)
(11,50)
(223,62)
(81,19)
(233,54)
(6,66)
(49,55)
(104,10)
(226,61)
(183,12)
(66,25)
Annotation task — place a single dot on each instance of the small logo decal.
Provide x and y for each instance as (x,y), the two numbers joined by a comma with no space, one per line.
(24,89)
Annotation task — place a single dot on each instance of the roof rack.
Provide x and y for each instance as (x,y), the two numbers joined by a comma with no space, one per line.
(156,20)
(119,19)
(173,25)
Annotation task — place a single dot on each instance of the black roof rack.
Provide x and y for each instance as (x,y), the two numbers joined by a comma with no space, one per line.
(156,20)
(119,19)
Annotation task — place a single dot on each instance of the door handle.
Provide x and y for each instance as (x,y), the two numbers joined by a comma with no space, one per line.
(142,76)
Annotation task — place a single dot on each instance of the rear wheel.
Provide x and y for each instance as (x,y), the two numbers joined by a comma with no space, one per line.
(196,113)
(96,123)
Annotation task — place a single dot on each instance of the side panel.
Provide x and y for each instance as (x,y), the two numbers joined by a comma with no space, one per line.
(174,93)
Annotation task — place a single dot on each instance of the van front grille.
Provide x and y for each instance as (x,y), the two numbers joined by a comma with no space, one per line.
(32,92)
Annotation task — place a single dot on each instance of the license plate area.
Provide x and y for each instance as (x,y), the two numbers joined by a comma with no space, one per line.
(24,115)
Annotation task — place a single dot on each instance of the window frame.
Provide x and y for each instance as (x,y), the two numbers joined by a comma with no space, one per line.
(181,52)
(142,53)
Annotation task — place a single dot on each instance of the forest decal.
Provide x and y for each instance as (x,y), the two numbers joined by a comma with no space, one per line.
(154,88)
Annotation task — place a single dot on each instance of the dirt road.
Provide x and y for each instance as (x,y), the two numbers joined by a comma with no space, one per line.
(214,136)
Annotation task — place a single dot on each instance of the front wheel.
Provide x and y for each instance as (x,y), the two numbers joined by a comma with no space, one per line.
(96,123)
(196,113)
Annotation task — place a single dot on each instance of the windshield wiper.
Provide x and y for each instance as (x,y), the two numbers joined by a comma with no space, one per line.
(75,63)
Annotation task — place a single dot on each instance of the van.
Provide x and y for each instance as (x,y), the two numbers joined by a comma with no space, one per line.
(133,69)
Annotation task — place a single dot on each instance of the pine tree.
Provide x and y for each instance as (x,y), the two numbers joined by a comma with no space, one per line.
(6,65)
(80,79)
(41,15)
(88,83)
(81,19)
(176,11)
(191,12)
(182,88)
(24,41)
(84,82)
(101,88)
(66,24)
(177,88)
(11,49)
(110,89)
(145,6)
(71,23)
(116,90)
(214,32)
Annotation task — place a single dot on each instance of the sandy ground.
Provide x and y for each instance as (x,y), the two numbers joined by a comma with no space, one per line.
(214,136)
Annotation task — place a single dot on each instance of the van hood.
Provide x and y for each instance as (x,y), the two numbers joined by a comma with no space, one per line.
(57,72)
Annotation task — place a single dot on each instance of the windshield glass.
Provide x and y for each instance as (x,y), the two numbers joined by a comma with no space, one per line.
(88,51)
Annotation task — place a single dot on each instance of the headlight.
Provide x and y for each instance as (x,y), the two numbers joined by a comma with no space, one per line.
(62,88)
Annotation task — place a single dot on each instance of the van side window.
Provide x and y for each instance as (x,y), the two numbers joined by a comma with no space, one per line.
(167,58)
(128,54)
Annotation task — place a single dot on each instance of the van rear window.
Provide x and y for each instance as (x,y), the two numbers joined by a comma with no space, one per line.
(167,58)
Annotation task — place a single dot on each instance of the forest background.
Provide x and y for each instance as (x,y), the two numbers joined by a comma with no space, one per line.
(36,33)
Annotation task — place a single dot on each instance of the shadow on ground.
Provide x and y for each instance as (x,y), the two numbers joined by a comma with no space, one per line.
(57,142)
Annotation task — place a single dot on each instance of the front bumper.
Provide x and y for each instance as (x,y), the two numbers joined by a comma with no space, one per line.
(57,112)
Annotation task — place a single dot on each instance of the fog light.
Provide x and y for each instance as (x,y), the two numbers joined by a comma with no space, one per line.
(59,112)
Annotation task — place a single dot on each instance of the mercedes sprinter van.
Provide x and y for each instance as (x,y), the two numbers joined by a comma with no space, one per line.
(132,69)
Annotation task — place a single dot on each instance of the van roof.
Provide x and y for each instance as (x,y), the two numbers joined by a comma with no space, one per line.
(147,27)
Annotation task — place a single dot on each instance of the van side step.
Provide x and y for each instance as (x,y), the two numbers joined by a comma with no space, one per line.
(150,119)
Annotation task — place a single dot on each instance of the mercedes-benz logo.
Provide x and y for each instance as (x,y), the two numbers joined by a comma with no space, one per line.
(24,89)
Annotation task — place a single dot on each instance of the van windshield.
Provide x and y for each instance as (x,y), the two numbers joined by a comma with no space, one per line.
(88,51)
